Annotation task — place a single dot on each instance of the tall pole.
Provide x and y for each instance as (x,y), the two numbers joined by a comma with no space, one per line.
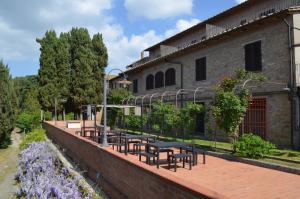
(104,142)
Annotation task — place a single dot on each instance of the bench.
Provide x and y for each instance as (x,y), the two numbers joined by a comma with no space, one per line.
(187,158)
(195,154)
(148,156)
(137,147)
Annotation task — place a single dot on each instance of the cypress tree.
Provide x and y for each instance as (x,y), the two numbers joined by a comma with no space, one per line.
(100,52)
(63,69)
(7,101)
(47,74)
(83,61)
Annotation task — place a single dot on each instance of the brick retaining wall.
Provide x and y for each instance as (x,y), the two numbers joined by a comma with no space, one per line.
(121,178)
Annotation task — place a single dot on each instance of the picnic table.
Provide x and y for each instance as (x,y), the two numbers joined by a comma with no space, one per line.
(128,137)
(163,145)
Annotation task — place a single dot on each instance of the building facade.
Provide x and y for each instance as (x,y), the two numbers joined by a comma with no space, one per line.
(259,36)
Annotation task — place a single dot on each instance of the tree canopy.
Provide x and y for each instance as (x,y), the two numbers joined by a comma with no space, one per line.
(71,69)
(8,104)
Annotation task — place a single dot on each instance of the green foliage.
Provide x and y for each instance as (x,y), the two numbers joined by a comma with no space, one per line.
(187,115)
(8,102)
(22,86)
(71,69)
(253,146)
(133,121)
(27,121)
(47,75)
(229,107)
(229,110)
(163,116)
(115,97)
(37,135)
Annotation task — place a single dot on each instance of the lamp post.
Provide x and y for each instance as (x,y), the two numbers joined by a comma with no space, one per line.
(106,86)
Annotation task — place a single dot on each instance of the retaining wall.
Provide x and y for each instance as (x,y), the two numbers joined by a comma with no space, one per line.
(120,177)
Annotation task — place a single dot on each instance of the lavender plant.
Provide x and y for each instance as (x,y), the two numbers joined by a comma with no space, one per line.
(42,175)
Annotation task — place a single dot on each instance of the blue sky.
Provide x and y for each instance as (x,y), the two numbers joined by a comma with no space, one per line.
(128,26)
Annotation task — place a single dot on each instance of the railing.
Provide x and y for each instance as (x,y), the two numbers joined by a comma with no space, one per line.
(212,30)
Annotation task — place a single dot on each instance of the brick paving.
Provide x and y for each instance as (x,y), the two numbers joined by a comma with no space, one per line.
(229,178)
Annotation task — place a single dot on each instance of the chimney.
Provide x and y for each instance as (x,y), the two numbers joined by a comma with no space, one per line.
(142,55)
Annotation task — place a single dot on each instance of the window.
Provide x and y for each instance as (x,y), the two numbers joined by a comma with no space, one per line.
(159,79)
(149,82)
(255,118)
(253,58)
(135,86)
(170,77)
(201,69)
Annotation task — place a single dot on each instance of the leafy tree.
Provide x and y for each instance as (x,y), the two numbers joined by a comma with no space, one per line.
(63,70)
(7,101)
(186,118)
(229,106)
(115,97)
(101,56)
(83,61)
(163,116)
(47,74)
(23,85)
(71,69)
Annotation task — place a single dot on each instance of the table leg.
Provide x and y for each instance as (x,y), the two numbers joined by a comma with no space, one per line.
(157,161)
(126,143)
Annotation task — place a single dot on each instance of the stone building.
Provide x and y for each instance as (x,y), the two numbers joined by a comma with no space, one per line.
(258,35)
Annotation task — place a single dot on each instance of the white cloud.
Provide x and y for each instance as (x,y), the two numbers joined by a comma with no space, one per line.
(58,9)
(124,51)
(181,25)
(240,1)
(158,9)
(19,31)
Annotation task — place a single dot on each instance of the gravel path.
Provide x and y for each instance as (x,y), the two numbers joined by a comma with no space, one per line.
(8,167)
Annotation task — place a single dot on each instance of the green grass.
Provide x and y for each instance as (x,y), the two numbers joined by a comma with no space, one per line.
(37,135)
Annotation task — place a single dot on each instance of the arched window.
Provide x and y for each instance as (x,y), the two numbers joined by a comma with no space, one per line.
(159,79)
(170,77)
(149,82)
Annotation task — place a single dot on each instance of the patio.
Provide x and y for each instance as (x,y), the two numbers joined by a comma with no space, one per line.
(226,178)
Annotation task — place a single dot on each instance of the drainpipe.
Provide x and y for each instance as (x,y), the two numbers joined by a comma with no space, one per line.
(291,81)
(181,74)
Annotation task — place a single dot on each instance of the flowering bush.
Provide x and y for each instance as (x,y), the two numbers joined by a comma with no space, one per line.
(42,175)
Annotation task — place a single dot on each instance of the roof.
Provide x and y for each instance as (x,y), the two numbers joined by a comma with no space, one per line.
(215,38)
(209,20)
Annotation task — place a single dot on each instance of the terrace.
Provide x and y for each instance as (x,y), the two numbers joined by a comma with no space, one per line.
(218,178)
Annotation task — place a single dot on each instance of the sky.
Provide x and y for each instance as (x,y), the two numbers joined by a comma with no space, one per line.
(128,26)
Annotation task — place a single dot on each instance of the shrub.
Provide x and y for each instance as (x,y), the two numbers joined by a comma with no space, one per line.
(37,135)
(28,120)
(252,146)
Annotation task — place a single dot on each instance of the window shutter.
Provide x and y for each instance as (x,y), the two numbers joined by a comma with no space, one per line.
(170,77)
(253,57)
(135,86)
(201,69)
